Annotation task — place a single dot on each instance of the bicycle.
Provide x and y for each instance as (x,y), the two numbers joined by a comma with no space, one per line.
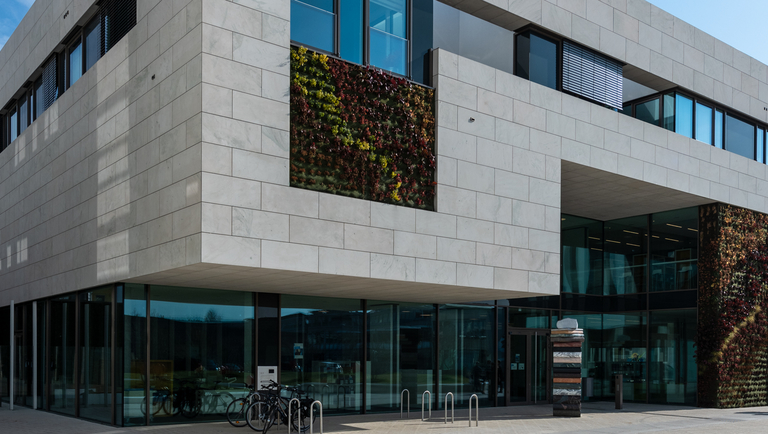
(236,410)
(216,402)
(262,415)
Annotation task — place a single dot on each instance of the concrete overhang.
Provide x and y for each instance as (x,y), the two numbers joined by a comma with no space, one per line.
(249,279)
(600,195)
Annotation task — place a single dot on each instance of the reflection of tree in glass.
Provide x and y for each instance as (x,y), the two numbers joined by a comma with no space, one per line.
(212,316)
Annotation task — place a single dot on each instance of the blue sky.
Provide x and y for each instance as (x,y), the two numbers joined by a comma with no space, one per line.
(11,13)
(736,22)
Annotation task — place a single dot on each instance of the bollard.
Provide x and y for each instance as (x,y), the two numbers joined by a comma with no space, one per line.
(408,406)
(426,392)
(477,410)
(446,406)
(311,426)
(619,389)
(298,415)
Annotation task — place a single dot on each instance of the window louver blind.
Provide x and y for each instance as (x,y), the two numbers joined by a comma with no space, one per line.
(592,75)
(50,88)
(118,17)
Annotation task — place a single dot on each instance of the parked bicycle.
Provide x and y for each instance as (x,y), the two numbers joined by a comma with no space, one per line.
(272,407)
(236,411)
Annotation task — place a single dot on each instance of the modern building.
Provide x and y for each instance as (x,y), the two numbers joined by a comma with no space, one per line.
(367,196)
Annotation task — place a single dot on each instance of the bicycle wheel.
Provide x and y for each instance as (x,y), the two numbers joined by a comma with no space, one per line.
(220,403)
(236,412)
(169,407)
(189,406)
(256,415)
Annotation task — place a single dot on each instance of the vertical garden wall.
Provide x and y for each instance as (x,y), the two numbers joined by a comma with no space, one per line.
(732,353)
(360,132)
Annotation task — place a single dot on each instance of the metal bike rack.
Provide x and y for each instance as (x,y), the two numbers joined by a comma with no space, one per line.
(477,410)
(446,406)
(298,419)
(311,419)
(323,394)
(408,406)
(426,392)
(341,399)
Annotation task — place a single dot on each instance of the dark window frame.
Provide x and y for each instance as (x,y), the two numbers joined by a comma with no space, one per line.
(366,38)
(716,108)
(551,37)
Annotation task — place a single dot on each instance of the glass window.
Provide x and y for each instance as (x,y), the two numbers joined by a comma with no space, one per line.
(132,364)
(23,114)
(625,342)
(41,349)
(625,255)
(75,63)
(92,34)
(528,318)
(269,327)
(96,355)
(761,145)
(322,343)
(401,348)
(704,123)
(683,115)
(200,349)
(582,255)
(39,98)
(648,111)
(5,354)
(669,111)
(536,59)
(674,249)
(672,369)
(313,23)
(388,43)
(719,129)
(351,31)
(740,137)
(466,355)
(14,127)
(62,357)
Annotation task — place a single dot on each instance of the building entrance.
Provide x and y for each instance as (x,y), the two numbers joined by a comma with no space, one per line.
(530,367)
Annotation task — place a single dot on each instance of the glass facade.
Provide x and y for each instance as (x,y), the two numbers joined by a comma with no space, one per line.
(739,137)
(183,354)
(313,23)
(400,353)
(648,111)
(704,123)
(75,63)
(683,115)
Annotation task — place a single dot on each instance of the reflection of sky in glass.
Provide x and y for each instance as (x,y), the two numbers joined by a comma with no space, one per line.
(197,312)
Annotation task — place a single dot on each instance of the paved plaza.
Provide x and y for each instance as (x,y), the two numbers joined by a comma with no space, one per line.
(596,418)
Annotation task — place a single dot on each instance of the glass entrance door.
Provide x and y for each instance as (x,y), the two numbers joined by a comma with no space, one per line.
(529,367)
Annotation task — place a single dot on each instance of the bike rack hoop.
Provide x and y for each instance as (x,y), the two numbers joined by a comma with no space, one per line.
(429,394)
(311,419)
(446,407)
(298,418)
(408,406)
(477,410)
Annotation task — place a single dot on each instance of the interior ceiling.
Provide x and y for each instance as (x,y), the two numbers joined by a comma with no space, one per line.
(599,195)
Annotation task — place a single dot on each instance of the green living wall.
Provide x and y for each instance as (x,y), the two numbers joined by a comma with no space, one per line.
(732,352)
(359,132)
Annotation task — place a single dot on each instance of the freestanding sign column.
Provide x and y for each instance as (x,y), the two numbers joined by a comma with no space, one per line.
(566,357)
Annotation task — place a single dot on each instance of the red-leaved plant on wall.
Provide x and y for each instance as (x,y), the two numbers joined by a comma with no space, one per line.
(732,353)
(359,132)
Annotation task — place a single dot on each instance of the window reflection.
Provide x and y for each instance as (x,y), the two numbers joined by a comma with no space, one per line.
(401,347)
(761,145)
(704,123)
(582,241)
(201,352)
(75,63)
(96,355)
(625,255)
(625,340)
(672,369)
(351,31)
(322,340)
(719,129)
(674,250)
(536,59)
(740,137)
(62,358)
(683,115)
(389,46)
(466,353)
(648,111)
(312,23)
